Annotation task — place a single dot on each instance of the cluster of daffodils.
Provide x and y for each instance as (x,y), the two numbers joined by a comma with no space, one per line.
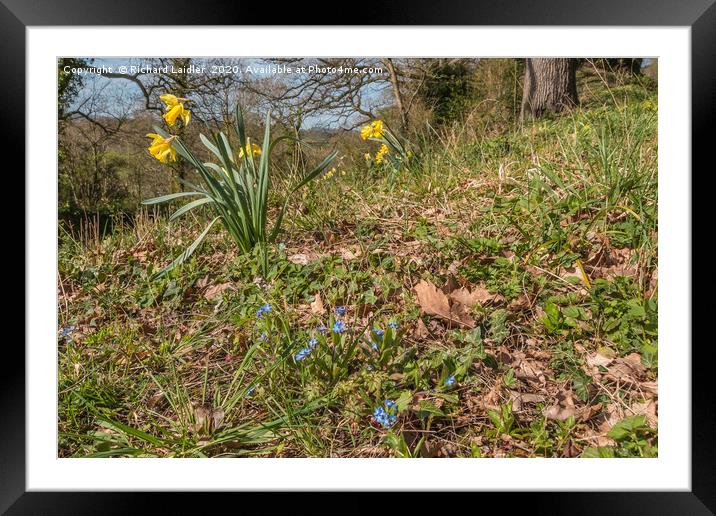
(332,172)
(161,148)
(376,131)
(391,149)
(380,155)
(386,414)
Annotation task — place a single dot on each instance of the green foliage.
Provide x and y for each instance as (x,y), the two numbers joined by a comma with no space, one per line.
(448,90)
(237,189)
(633,437)
(181,366)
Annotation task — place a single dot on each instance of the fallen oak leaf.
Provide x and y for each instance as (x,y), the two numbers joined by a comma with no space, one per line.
(647,408)
(317,305)
(215,290)
(420,331)
(563,409)
(470,298)
(434,302)
(520,398)
(626,369)
(597,359)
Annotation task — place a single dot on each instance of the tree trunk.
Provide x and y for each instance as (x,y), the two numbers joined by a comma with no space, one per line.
(397,95)
(550,85)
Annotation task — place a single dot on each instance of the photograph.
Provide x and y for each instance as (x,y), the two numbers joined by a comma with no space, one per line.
(357,257)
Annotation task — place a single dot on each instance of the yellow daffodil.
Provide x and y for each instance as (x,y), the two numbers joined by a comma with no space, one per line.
(161,148)
(381,153)
(329,174)
(255,150)
(372,130)
(648,104)
(175,109)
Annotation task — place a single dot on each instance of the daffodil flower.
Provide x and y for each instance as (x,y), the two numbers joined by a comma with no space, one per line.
(175,109)
(373,130)
(251,148)
(380,155)
(161,148)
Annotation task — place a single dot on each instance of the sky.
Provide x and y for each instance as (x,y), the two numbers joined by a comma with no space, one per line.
(130,97)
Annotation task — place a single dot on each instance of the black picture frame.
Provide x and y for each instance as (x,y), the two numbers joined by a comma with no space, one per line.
(699,15)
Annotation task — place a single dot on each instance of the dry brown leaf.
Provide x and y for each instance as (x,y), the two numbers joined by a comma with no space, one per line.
(520,398)
(647,408)
(215,290)
(434,302)
(431,300)
(627,369)
(587,412)
(469,298)
(650,387)
(299,259)
(351,253)
(610,417)
(421,331)
(493,398)
(202,282)
(597,359)
(317,305)
(564,407)
(459,313)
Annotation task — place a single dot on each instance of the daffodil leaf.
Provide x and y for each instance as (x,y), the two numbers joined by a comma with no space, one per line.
(210,145)
(165,198)
(187,252)
(190,206)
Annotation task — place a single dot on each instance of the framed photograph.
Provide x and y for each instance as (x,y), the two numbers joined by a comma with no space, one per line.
(461,237)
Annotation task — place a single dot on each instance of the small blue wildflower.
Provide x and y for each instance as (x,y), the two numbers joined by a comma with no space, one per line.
(378,332)
(64,332)
(374,346)
(369,367)
(339,327)
(340,310)
(312,343)
(321,329)
(302,354)
(450,380)
(250,390)
(386,418)
(261,312)
(264,337)
(393,325)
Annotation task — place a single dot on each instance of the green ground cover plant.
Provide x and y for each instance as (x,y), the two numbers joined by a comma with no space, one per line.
(485,296)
